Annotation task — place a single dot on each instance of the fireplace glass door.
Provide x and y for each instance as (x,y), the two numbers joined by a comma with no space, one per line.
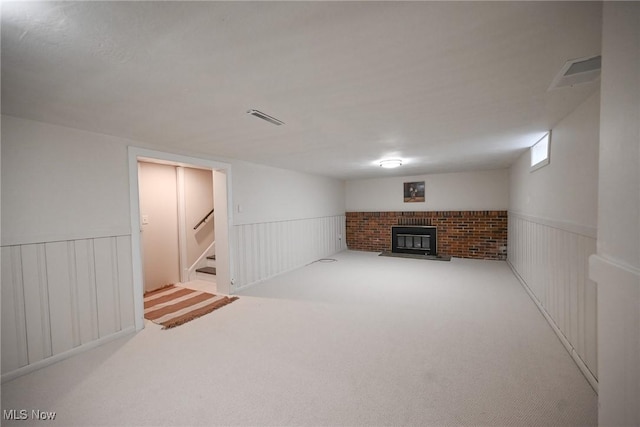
(416,239)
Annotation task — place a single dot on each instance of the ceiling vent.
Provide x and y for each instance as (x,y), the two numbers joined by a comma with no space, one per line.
(577,71)
(266,117)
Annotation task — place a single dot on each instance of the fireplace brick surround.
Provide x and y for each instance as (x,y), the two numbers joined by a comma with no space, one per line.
(463,234)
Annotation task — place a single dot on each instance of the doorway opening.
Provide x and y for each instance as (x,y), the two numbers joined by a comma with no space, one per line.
(177,226)
(180,223)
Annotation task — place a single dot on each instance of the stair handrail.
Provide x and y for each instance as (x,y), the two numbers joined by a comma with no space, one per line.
(203,220)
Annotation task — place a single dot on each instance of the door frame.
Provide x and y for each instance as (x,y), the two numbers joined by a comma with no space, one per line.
(225,262)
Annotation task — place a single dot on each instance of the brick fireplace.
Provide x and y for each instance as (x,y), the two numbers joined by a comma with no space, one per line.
(463,234)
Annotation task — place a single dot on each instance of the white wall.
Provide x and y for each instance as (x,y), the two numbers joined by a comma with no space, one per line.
(616,267)
(267,194)
(283,220)
(566,189)
(45,171)
(159,204)
(66,243)
(463,191)
(67,188)
(552,232)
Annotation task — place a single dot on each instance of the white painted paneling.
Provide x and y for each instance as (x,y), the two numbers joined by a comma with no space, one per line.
(61,299)
(266,249)
(32,270)
(553,228)
(553,264)
(14,334)
(87,300)
(58,296)
(125,281)
(108,321)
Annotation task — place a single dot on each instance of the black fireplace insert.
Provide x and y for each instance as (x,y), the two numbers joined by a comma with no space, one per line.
(414,240)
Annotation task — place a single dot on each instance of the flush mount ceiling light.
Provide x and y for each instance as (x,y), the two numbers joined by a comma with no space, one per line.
(266,117)
(390,163)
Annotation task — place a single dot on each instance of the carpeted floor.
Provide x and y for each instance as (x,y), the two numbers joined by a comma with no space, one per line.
(366,340)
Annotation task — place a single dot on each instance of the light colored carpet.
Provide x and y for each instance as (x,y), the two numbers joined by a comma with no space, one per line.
(366,340)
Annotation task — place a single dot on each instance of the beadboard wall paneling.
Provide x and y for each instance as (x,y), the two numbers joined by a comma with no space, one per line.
(58,296)
(551,260)
(266,249)
(14,336)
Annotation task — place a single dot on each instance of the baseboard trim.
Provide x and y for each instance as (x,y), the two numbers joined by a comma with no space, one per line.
(593,381)
(65,355)
(255,282)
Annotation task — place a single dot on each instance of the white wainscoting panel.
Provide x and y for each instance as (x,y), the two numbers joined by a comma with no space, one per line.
(551,260)
(266,249)
(58,296)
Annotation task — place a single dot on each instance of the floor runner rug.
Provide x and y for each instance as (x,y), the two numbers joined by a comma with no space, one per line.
(174,305)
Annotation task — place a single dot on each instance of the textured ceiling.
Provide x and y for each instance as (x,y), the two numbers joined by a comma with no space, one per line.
(445,86)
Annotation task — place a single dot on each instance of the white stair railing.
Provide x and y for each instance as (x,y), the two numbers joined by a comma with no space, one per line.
(201,261)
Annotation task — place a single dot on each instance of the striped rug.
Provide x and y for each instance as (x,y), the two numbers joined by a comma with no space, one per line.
(174,305)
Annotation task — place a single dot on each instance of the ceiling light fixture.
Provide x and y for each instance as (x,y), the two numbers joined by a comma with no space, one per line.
(390,163)
(266,117)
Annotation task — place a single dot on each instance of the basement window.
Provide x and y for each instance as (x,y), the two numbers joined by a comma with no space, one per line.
(540,152)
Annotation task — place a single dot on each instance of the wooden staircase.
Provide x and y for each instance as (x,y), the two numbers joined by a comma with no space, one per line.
(208,272)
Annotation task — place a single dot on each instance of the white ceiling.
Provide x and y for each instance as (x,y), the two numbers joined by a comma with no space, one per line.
(444,86)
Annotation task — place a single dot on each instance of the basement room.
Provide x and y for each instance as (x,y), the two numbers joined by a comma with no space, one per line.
(320,213)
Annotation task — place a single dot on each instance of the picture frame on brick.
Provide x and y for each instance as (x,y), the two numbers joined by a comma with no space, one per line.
(414,192)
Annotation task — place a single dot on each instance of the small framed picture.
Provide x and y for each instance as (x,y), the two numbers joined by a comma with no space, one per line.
(414,192)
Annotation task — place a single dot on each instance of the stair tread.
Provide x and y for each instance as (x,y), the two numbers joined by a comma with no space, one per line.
(208,270)
(211,257)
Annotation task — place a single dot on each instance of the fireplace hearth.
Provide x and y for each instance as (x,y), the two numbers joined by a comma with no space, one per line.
(414,240)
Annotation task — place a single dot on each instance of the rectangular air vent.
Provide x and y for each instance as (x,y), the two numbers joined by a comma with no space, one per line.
(578,71)
(266,117)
